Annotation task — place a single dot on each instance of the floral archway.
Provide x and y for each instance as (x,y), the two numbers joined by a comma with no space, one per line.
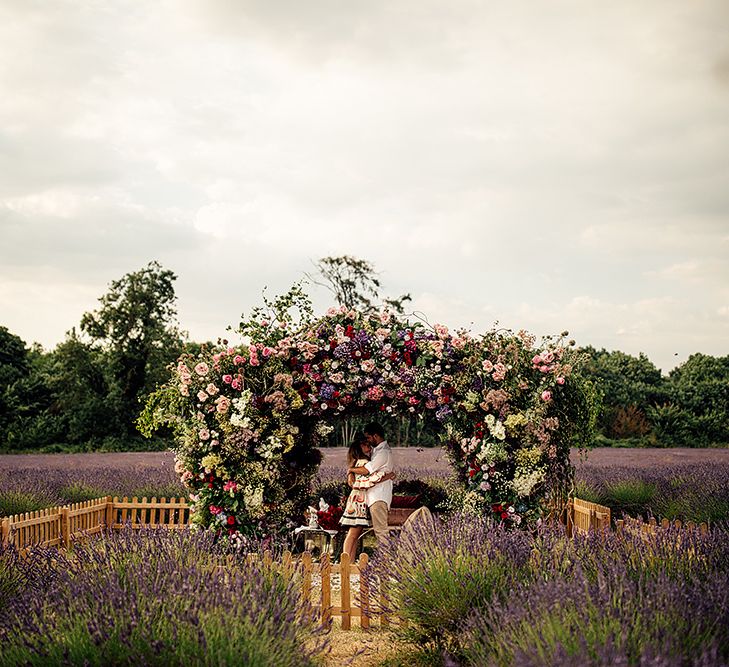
(248,418)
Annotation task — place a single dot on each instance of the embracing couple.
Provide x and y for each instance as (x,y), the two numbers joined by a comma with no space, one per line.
(370,475)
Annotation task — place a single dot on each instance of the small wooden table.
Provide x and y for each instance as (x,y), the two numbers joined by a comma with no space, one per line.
(325,538)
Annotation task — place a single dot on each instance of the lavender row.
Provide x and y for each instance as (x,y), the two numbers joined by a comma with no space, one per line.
(153,598)
(697,492)
(480,595)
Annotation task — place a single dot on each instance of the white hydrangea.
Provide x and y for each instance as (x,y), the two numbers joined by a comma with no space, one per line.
(523,484)
(492,452)
(240,408)
(496,427)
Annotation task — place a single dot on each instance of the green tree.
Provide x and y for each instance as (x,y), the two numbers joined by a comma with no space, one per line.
(628,385)
(355,284)
(699,388)
(136,328)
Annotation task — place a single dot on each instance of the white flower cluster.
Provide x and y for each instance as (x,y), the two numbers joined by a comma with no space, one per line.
(493,452)
(240,407)
(496,427)
(253,499)
(474,503)
(269,448)
(323,429)
(524,484)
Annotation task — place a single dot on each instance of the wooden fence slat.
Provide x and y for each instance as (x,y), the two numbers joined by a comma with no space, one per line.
(306,577)
(346,603)
(326,590)
(364,592)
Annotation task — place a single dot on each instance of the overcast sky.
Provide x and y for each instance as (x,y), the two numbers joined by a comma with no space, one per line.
(550,165)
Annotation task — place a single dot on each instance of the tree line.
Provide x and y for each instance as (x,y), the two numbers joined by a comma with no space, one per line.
(86,394)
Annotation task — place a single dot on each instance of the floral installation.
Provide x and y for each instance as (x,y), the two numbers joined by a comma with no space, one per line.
(248,417)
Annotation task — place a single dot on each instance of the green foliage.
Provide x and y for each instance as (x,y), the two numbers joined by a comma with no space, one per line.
(18,502)
(136,329)
(630,496)
(690,407)
(87,393)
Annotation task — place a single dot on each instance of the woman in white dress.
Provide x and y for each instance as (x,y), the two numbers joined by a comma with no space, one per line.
(356,514)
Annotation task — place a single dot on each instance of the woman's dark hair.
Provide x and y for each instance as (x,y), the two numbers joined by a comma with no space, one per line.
(355,451)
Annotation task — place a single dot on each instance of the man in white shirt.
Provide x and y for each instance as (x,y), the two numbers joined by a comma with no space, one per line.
(379,496)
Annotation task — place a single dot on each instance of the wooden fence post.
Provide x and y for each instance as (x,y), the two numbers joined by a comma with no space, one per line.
(326,590)
(65,527)
(346,605)
(109,514)
(306,577)
(364,593)
(570,518)
(5,531)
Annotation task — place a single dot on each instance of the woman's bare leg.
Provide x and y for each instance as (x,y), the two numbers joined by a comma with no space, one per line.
(350,542)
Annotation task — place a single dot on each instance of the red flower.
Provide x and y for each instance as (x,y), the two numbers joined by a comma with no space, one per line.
(231,520)
(504,515)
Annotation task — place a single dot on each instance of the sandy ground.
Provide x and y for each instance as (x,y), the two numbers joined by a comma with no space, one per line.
(411,457)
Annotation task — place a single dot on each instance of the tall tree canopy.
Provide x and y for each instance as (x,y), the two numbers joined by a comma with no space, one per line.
(137,326)
(355,284)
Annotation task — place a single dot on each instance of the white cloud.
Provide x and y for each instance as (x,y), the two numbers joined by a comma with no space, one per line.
(551,167)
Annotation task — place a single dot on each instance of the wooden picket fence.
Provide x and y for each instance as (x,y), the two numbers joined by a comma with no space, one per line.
(61,525)
(350,605)
(653,527)
(584,517)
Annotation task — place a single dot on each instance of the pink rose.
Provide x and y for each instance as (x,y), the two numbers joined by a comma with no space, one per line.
(560,380)
(215,510)
(368,365)
(202,368)
(487,365)
(237,360)
(268,351)
(202,396)
(184,390)
(222,404)
(536,360)
(227,379)
(544,369)
(211,389)
(204,434)
(254,361)
(236,384)
(546,395)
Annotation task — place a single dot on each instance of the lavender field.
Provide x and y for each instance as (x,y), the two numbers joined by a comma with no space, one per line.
(688,484)
(472,594)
